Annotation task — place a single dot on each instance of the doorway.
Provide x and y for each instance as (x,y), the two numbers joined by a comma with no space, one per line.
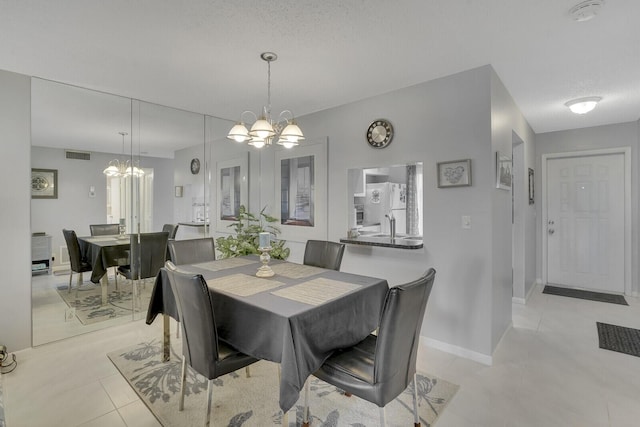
(586,220)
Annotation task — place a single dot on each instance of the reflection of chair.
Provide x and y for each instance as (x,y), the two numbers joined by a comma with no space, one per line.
(146,257)
(381,367)
(104,229)
(201,348)
(78,263)
(172,229)
(192,251)
(321,253)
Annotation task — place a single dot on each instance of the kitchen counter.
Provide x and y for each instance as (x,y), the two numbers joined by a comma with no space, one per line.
(400,242)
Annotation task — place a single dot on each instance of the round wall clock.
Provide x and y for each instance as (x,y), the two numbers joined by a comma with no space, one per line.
(379,133)
(195,166)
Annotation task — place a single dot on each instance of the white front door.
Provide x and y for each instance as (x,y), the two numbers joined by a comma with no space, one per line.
(585,222)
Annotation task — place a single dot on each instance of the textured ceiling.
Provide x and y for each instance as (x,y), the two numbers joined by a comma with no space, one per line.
(203,55)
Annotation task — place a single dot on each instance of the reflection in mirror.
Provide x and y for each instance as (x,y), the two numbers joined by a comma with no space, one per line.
(76,132)
(297,199)
(377,193)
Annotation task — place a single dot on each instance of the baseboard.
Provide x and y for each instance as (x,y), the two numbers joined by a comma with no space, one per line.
(523,301)
(457,351)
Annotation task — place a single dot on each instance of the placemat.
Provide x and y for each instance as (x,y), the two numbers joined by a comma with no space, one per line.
(103,238)
(224,264)
(242,284)
(296,271)
(316,291)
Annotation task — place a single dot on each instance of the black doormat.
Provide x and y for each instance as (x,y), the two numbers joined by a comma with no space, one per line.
(619,338)
(590,295)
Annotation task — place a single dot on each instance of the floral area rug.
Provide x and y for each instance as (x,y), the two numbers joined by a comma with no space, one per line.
(88,302)
(253,401)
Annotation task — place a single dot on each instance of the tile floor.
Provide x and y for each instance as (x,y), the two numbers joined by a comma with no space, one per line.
(547,371)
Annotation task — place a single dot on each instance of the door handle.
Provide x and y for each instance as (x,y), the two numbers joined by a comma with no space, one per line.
(551,231)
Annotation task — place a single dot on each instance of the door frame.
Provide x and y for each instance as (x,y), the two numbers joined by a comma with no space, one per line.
(626,152)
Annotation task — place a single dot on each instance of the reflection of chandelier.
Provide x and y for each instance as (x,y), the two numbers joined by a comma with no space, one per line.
(265,130)
(124,168)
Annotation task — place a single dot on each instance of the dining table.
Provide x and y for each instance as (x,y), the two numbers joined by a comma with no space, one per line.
(103,252)
(296,318)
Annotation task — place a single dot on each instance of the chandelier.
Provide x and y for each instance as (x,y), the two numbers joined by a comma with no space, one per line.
(118,168)
(265,130)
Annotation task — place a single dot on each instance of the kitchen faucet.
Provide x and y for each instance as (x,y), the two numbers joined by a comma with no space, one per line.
(392,225)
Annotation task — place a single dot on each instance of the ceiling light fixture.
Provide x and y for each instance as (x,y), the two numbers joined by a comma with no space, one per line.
(265,130)
(586,10)
(583,105)
(117,168)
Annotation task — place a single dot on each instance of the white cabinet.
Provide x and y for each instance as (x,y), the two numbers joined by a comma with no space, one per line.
(40,254)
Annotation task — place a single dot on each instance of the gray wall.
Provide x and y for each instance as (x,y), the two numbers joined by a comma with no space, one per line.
(609,136)
(445,119)
(506,120)
(74,209)
(15,253)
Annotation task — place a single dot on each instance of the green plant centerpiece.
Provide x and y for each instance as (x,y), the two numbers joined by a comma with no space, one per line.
(247,238)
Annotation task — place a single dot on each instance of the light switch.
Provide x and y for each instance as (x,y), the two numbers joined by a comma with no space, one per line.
(466,221)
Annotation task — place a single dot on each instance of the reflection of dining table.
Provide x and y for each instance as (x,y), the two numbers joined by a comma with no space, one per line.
(296,318)
(103,252)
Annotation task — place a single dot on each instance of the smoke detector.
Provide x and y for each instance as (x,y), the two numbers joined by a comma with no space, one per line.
(586,10)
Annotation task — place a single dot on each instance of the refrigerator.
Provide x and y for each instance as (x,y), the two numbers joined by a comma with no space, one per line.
(382,199)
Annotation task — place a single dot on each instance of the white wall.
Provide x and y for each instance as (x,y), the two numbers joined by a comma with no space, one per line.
(506,120)
(15,253)
(445,119)
(609,136)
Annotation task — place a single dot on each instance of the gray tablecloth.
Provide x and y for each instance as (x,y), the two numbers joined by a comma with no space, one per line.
(103,252)
(297,335)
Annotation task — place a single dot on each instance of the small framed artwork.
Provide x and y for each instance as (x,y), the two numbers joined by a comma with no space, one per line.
(44,183)
(456,173)
(531,191)
(503,171)
(178,190)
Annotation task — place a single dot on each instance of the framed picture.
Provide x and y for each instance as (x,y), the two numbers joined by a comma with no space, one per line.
(232,182)
(531,191)
(178,189)
(44,183)
(503,171)
(456,173)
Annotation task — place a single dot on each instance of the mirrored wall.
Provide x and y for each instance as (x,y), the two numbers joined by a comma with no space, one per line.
(77,134)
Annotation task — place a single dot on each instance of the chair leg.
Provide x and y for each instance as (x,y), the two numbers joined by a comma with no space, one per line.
(416,417)
(80,280)
(247,372)
(285,419)
(178,329)
(115,276)
(305,414)
(207,419)
(70,278)
(383,417)
(183,377)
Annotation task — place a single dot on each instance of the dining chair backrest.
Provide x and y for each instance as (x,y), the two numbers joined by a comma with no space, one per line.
(172,229)
(399,334)
(324,254)
(192,251)
(148,254)
(104,229)
(197,320)
(73,247)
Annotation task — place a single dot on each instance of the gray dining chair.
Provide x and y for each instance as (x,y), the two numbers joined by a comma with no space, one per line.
(381,367)
(146,257)
(104,229)
(324,254)
(201,348)
(192,251)
(107,230)
(79,264)
(172,229)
